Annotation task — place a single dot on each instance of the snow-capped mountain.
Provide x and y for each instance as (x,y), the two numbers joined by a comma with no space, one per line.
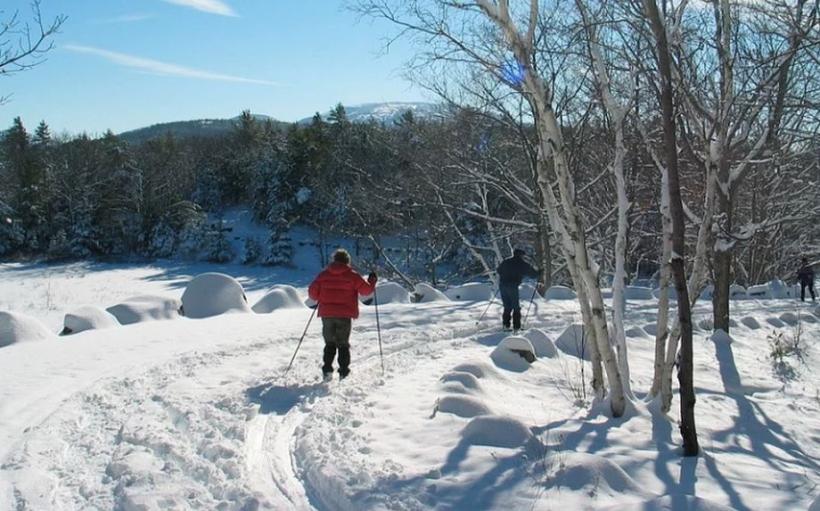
(387,113)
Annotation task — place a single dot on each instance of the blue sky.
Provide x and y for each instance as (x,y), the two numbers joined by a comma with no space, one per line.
(124,64)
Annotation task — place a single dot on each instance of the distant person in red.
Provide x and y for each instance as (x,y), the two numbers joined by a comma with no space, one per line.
(337,289)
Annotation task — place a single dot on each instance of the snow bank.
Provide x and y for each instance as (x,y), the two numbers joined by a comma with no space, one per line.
(560,293)
(88,318)
(211,294)
(496,431)
(773,289)
(472,292)
(737,292)
(138,309)
(638,293)
(477,370)
(463,406)
(16,327)
(573,342)
(514,353)
(673,293)
(542,343)
(279,297)
(391,292)
(427,293)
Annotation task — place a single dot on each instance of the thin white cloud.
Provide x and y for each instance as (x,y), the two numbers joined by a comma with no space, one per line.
(125,18)
(162,68)
(209,6)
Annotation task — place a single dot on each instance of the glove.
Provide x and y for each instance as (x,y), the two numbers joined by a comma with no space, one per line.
(372,278)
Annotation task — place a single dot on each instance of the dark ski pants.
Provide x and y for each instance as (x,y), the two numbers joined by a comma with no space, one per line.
(803,286)
(336,332)
(512,307)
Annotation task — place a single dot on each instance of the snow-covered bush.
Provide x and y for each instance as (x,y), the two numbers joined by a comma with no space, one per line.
(514,353)
(279,297)
(211,294)
(138,309)
(472,292)
(391,292)
(87,318)
(426,293)
(573,341)
(16,327)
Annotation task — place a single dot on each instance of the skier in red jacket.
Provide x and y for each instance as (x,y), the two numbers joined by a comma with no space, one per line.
(337,289)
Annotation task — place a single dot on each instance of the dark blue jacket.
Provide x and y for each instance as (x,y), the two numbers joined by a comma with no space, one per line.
(513,270)
(805,274)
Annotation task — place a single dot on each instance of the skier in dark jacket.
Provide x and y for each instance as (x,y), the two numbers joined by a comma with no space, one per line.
(337,290)
(511,272)
(806,277)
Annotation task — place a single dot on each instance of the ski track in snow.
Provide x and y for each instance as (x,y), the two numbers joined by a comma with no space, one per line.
(187,428)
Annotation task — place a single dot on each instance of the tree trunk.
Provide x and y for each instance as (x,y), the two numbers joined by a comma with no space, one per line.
(685,371)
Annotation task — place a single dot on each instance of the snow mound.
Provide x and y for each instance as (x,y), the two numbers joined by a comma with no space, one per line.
(145,308)
(778,289)
(808,318)
(574,342)
(790,318)
(544,347)
(496,431)
(473,292)
(775,322)
(758,291)
(427,293)
(638,293)
(706,324)
(212,294)
(16,327)
(671,503)
(278,298)
(750,322)
(88,318)
(477,370)
(527,291)
(514,354)
(737,292)
(583,471)
(815,506)
(391,292)
(468,380)
(560,293)
(636,332)
(463,406)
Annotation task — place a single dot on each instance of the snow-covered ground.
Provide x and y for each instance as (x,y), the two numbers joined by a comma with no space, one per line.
(199,414)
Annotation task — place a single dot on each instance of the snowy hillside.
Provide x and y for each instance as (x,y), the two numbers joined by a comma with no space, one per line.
(384,113)
(198,414)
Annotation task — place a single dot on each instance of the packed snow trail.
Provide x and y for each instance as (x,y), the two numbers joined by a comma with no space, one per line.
(198,430)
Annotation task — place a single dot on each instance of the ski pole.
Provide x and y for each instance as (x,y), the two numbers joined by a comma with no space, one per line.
(378,327)
(488,307)
(534,289)
(301,339)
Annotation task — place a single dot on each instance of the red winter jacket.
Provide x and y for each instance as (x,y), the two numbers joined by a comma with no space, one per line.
(337,290)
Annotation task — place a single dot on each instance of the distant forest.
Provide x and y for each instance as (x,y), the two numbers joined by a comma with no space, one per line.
(458,188)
